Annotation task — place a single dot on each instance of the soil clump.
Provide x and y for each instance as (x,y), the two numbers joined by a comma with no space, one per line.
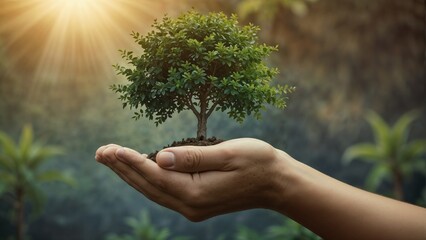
(189,142)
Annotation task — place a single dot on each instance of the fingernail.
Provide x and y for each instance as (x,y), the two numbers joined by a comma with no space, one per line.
(121,153)
(167,159)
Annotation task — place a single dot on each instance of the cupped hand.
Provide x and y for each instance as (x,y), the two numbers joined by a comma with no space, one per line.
(202,182)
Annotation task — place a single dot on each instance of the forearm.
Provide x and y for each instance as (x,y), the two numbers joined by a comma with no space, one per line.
(335,210)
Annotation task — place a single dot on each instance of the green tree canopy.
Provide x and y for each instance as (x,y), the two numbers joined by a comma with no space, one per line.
(202,63)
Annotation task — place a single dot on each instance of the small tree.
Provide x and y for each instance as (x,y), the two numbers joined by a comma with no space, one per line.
(202,63)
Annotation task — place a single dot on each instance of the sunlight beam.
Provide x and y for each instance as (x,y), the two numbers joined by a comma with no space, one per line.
(51,41)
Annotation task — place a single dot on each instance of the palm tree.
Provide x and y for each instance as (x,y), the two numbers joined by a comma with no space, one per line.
(392,154)
(21,173)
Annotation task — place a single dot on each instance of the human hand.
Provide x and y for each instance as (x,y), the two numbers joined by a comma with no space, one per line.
(202,182)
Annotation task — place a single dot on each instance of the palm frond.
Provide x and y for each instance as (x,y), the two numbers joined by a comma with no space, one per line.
(362,151)
(7,148)
(7,181)
(380,128)
(417,147)
(56,176)
(25,142)
(400,129)
(41,154)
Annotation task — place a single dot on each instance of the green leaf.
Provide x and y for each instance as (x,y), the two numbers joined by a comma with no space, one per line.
(40,155)
(380,128)
(9,148)
(363,151)
(56,176)
(401,128)
(416,147)
(26,142)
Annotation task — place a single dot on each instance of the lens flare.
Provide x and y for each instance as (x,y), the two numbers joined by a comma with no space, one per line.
(72,40)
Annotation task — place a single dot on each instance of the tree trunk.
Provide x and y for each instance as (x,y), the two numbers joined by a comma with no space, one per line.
(19,211)
(202,126)
(202,118)
(398,184)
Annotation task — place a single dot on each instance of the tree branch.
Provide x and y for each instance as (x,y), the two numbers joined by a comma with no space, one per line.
(212,108)
(191,105)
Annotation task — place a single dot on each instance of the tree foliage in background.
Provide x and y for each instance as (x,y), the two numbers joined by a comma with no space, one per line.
(202,63)
(289,229)
(21,172)
(144,229)
(245,233)
(392,154)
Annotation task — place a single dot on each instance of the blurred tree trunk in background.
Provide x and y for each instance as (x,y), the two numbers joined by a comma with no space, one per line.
(19,209)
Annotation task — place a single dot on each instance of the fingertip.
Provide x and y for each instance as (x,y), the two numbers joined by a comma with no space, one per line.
(100,150)
(166,159)
(99,154)
(121,153)
(129,155)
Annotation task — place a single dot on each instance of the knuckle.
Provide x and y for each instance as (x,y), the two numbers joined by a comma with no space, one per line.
(192,159)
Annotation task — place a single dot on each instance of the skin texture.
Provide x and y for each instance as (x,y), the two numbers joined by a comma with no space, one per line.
(202,182)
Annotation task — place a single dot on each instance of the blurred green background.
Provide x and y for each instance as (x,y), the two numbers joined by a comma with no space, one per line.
(345,57)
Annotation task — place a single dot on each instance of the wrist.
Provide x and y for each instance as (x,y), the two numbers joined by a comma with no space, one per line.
(287,178)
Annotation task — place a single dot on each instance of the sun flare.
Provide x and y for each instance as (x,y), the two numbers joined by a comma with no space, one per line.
(72,40)
(82,12)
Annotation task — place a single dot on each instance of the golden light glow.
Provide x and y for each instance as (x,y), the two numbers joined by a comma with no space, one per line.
(72,40)
(77,11)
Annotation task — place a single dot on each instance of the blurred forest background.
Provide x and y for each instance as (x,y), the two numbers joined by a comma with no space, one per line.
(345,57)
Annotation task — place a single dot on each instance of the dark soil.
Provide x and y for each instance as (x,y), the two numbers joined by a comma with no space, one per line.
(189,142)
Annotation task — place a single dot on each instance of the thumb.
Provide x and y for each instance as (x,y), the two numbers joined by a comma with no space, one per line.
(195,159)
